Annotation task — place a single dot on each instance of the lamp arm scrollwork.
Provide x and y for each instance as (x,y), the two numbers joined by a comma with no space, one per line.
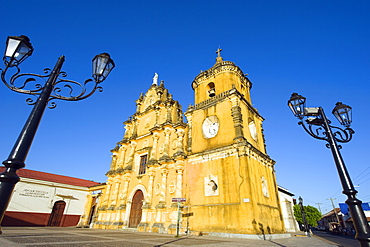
(63,89)
(314,131)
(342,135)
(23,85)
(320,132)
(70,86)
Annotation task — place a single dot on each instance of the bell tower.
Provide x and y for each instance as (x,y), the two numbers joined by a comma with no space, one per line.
(230,180)
(223,76)
(224,108)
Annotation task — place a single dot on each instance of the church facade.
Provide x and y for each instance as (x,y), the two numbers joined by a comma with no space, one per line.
(208,174)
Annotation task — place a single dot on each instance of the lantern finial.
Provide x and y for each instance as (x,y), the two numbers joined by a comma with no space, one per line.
(18,49)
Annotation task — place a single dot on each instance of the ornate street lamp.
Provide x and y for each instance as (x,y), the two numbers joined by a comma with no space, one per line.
(318,126)
(306,227)
(17,50)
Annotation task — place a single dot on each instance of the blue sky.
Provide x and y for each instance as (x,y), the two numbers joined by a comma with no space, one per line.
(320,49)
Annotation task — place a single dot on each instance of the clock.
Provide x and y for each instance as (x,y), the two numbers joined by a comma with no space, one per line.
(253,130)
(210,126)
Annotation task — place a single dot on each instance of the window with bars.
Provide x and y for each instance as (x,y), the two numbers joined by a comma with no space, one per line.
(143,160)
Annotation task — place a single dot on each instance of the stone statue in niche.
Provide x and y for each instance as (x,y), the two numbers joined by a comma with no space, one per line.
(265,190)
(211,186)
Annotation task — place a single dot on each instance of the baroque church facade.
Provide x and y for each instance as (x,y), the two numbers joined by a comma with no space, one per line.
(207,174)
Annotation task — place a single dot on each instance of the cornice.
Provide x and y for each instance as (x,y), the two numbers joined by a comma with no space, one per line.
(218,68)
(119,171)
(220,97)
(243,148)
(178,125)
(116,148)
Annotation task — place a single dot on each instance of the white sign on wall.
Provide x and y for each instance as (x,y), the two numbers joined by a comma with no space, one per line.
(34,193)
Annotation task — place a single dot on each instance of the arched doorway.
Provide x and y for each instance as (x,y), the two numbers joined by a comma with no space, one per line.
(57,213)
(92,210)
(136,211)
(92,214)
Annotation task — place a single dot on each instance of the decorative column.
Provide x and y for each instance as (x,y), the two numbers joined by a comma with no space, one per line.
(113,162)
(128,129)
(130,160)
(179,170)
(157,113)
(149,194)
(100,219)
(162,195)
(107,192)
(123,197)
(107,200)
(139,102)
(179,117)
(122,156)
(153,153)
(159,225)
(189,117)
(180,139)
(169,114)
(116,217)
(134,131)
(166,147)
(115,192)
(144,225)
(237,119)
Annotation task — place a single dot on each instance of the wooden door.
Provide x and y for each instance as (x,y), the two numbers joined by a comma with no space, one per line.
(57,213)
(136,211)
(92,210)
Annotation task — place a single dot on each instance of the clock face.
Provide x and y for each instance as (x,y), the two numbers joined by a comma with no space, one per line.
(210,127)
(253,130)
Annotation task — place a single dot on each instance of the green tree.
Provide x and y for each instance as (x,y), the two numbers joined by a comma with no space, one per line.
(312,214)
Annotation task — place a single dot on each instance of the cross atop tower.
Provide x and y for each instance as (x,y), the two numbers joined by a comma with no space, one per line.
(218,58)
(219,52)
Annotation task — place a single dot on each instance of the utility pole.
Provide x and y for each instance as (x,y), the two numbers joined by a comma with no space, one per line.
(318,204)
(335,211)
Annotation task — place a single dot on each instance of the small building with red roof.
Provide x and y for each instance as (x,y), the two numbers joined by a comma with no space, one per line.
(46,199)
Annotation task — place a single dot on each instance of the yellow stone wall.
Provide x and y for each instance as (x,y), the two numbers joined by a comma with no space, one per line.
(228,180)
(240,204)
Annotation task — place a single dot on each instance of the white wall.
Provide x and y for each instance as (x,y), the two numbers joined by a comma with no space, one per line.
(37,196)
(286,202)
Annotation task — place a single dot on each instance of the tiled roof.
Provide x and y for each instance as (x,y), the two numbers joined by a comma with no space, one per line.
(26,173)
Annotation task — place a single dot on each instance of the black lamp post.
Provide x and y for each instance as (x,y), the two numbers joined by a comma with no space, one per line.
(318,126)
(306,227)
(19,49)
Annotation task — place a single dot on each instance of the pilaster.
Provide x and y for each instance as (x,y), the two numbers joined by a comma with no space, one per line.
(166,144)
(130,161)
(179,176)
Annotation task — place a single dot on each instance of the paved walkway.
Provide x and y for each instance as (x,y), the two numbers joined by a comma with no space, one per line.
(68,237)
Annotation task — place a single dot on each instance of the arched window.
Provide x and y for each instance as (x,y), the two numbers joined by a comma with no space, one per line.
(211,89)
